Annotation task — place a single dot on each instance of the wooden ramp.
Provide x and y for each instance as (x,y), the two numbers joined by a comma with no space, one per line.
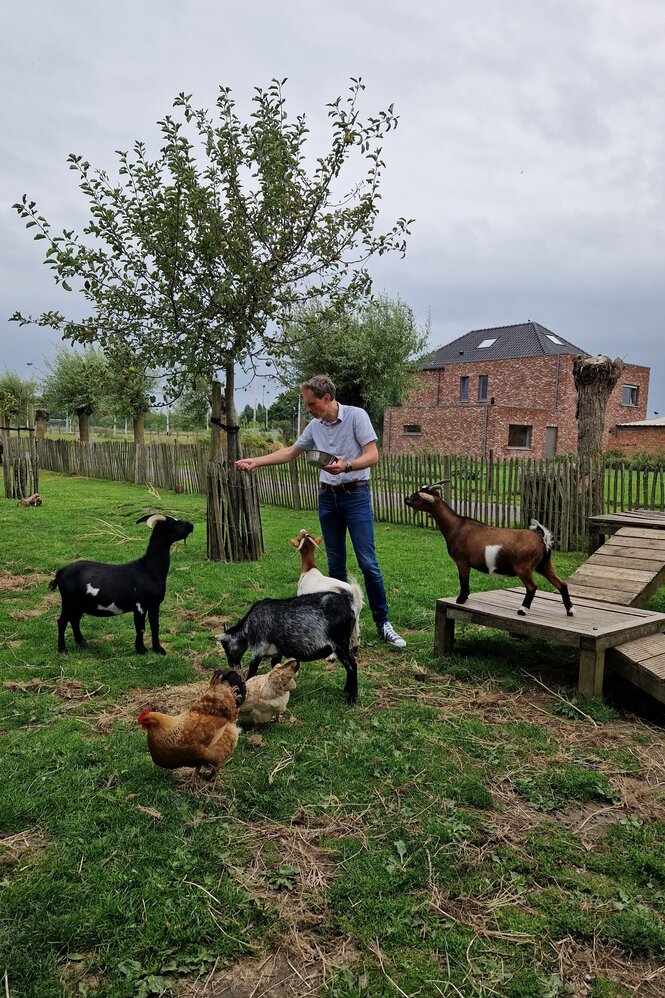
(642,663)
(628,569)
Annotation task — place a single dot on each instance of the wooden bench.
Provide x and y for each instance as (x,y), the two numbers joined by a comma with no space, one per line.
(595,627)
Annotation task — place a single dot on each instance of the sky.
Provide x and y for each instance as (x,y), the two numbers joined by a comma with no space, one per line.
(530,149)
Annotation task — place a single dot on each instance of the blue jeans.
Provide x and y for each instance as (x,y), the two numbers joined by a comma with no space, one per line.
(352,511)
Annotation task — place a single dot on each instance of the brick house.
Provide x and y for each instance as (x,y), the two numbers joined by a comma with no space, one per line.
(507,390)
(645,436)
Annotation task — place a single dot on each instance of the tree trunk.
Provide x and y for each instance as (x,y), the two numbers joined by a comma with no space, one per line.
(595,379)
(138,425)
(214,532)
(84,441)
(42,417)
(233,517)
(84,424)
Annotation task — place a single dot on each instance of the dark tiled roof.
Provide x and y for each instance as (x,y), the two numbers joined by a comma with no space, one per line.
(526,339)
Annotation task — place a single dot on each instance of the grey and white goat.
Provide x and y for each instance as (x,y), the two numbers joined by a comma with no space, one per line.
(302,627)
(137,587)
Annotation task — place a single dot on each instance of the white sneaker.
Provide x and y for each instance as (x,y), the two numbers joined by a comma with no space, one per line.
(388,633)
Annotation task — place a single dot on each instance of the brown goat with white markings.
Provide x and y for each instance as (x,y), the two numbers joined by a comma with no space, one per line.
(493,550)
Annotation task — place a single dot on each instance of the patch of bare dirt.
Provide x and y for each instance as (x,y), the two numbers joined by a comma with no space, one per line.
(10,583)
(169,699)
(581,964)
(48,603)
(15,847)
(299,968)
(76,979)
(67,689)
(291,870)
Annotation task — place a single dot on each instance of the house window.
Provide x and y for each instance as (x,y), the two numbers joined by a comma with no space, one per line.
(482,388)
(464,389)
(410,429)
(553,338)
(629,395)
(486,343)
(519,436)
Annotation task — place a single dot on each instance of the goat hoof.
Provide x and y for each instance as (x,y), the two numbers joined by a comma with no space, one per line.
(570,613)
(521,613)
(141,651)
(159,650)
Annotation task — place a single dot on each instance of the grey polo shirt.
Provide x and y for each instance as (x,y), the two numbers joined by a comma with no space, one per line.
(346,437)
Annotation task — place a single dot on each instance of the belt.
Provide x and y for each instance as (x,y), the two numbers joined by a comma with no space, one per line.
(345,487)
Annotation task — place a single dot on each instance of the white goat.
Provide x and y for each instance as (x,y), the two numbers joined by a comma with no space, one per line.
(312,580)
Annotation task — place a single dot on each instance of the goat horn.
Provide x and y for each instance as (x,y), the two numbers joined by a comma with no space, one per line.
(156,518)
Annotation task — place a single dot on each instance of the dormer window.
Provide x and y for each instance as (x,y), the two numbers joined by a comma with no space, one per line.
(486,343)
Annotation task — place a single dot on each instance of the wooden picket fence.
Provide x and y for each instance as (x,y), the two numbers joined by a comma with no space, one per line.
(508,493)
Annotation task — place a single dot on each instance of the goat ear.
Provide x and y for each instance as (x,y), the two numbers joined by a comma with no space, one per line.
(317,541)
(295,544)
(427,496)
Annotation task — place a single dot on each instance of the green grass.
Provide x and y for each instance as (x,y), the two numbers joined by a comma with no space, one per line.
(460,830)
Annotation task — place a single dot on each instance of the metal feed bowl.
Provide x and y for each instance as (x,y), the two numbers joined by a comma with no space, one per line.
(320,457)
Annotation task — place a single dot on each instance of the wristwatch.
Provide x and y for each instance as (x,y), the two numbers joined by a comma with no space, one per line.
(349,466)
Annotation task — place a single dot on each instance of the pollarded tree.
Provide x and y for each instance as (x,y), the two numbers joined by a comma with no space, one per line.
(76,382)
(370,351)
(595,378)
(196,260)
(130,389)
(17,395)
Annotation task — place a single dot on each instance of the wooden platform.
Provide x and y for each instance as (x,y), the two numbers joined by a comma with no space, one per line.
(595,627)
(628,569)
(604,524)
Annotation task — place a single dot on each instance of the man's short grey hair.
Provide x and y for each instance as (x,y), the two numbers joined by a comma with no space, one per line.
(319,385)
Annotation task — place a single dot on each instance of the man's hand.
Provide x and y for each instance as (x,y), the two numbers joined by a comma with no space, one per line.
(336,467)
(246,464)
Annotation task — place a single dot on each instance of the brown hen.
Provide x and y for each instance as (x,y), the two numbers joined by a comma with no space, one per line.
(205,734)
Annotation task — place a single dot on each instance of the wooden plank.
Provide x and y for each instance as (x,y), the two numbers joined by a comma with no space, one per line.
(637,549)
(644,531)
(606,580)
(634,576)
(655,540)
(645,648)
(609,596)
(653,548)
(607,561)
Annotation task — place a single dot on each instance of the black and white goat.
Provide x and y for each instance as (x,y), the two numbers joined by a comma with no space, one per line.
(137,587)
(494,550)
(302,627)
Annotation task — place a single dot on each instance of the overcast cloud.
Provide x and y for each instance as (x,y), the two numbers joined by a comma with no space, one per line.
(530,150)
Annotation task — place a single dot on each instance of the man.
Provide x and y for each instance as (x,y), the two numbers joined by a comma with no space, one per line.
(344,495)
